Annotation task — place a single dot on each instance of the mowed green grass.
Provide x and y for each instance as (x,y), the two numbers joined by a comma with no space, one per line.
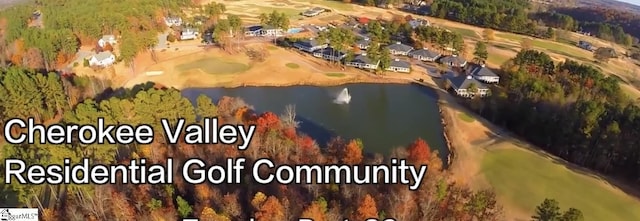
(212,65)
(334,74)
(467,33)
(547,45)
(524,179)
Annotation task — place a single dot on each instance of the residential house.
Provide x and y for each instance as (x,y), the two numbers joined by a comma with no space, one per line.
(309,45)
(252,31)
(586,45)
(453,61)
(107,39)
(483,74)
(364,43)
(271,31)
(425,55)
(102,59)
(173,21)
(188,34)
(313,12)
(330,54)
(363,62)
(398,65)
(467,86)
(399,49)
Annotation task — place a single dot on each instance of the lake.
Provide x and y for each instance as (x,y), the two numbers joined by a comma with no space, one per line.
(383,116)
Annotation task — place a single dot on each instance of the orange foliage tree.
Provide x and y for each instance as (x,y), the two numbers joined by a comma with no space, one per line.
(314,212)
(267,120)
(107,47)
(271,210)
(367,209)
(419,152)
(353,153)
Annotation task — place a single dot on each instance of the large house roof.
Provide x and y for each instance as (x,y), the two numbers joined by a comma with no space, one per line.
(425,53)
(479,70)
(363,59)
(254,28)
(308,43)
(103,55)
(364,41)
(400,63)
(330,52)
(453,60)
(465,81)
(399,47)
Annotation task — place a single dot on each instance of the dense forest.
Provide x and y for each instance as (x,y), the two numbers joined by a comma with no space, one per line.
(569,109)
(52,99)
(63,26)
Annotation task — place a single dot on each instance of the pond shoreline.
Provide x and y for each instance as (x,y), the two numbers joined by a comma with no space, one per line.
(444,121)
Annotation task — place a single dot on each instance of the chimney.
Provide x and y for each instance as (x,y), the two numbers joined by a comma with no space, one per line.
(364,54)
(469,77)
(396,59)
(366,39)
(425,48)
(397,42)
(482,65)
(454,55)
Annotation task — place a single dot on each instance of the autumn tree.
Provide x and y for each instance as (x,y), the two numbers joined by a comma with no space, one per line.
(367,209)
(526,44)
(314,212)
(488,34)
(353,153)
(419,152)
(270,210)
(184,209)
(480,54)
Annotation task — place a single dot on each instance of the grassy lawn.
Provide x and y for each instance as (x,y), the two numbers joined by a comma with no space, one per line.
(524,179)
(212,65)
(465,117)
(292,13)
(553,47)
(337,5)
(467,33)
(335,74)
(292,65)
(497,59)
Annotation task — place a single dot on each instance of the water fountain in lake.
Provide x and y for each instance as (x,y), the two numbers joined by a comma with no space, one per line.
(343,97)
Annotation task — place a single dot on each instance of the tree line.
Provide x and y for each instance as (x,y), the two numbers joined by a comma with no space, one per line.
(569,109)
(606,30)
(68,100)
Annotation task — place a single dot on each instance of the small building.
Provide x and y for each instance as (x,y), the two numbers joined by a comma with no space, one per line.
(107,39)
(453,61)
(188,34)
(330,54)
(399,49)
(102,59)
(172,21)
(425,55)
(414,23)
(483,74)
(309,45)
(253,31)
(364,43)
(398,65)
(467,86)
(363,62)
(586,45)
(313,12)
(271,31)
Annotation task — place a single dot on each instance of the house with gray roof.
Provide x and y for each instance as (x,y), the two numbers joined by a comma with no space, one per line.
(482,73)
(313,11)
(425,55)
(363,62)
(309,45)
(453,61)
(364,43)
(398,65)
(330,54)
(102,59)
(467,86)
(399,49)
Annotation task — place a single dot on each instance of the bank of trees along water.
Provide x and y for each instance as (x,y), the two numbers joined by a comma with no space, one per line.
(571,110)
(70,100)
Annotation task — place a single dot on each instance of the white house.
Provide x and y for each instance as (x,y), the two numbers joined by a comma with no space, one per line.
(364,43)
(363,62)
(102,59)
(252,31)
(481,73)
(399,49)
(309,45)
(107,39)
(188,34)
(398,65)
(271,31)
(173,21)
(414,23)
(463,85)
(424,55)
(454,61)
(329,54)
